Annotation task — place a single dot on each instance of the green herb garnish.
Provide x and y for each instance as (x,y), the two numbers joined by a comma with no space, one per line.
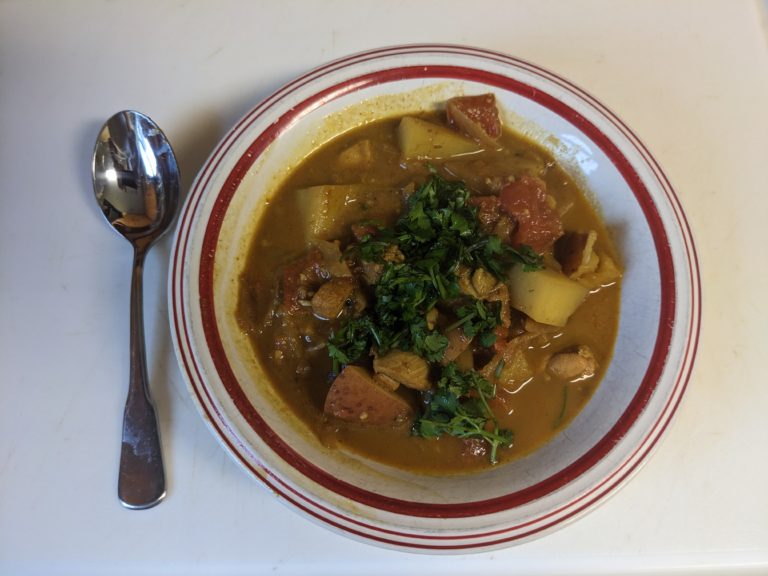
(438,232)
(479,318)
(458,406)
(351,341)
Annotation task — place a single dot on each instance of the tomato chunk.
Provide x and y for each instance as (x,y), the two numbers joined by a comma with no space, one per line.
(476,116)
(538,224)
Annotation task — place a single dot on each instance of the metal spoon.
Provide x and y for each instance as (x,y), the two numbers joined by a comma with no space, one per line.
(136,181)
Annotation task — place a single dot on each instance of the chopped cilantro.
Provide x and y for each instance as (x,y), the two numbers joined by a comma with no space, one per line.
(479,318)
(458,406)
(438,232)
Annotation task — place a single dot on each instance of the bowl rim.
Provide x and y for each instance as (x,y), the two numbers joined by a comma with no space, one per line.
(296,496)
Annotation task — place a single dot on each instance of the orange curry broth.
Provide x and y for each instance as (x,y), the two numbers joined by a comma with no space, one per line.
(535,411)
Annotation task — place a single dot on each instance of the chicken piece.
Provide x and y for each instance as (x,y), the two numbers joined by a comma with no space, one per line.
(573,365)
(405,367)
(393,254)
(575,253)
(337,296)
(464,280)
(483,285)
(483,282)
(607,273)
(457,343)
(371,272)
(355,397)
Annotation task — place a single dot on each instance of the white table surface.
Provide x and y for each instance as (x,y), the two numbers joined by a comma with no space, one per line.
(690,77)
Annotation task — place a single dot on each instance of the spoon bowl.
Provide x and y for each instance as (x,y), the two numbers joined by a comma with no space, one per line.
(136,183)
(135,177)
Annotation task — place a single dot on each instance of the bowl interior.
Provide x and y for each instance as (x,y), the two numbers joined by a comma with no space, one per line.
(602,445)
(589,165)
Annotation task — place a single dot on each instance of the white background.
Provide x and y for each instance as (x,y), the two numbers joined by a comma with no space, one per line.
(690,78)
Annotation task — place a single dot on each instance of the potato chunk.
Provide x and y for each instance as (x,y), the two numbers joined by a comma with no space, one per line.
(537,328)
(422,140)
(359,156)
(546,296)
(355,397)
(327,212)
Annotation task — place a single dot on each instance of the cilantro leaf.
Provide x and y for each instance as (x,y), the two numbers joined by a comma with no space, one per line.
(351,341)
(458,407)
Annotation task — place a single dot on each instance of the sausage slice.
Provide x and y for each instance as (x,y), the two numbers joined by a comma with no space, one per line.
(355,397)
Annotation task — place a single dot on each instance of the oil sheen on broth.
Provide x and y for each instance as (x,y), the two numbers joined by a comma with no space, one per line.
(306,280)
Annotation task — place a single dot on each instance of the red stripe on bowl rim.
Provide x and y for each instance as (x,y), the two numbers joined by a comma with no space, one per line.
(399,506)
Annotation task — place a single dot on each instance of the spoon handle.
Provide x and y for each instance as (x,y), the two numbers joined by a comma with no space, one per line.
(141,483)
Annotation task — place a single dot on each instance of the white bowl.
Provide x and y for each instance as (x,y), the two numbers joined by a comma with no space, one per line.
(590,459)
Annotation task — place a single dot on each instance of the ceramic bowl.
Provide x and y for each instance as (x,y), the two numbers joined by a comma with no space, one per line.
(603,446)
